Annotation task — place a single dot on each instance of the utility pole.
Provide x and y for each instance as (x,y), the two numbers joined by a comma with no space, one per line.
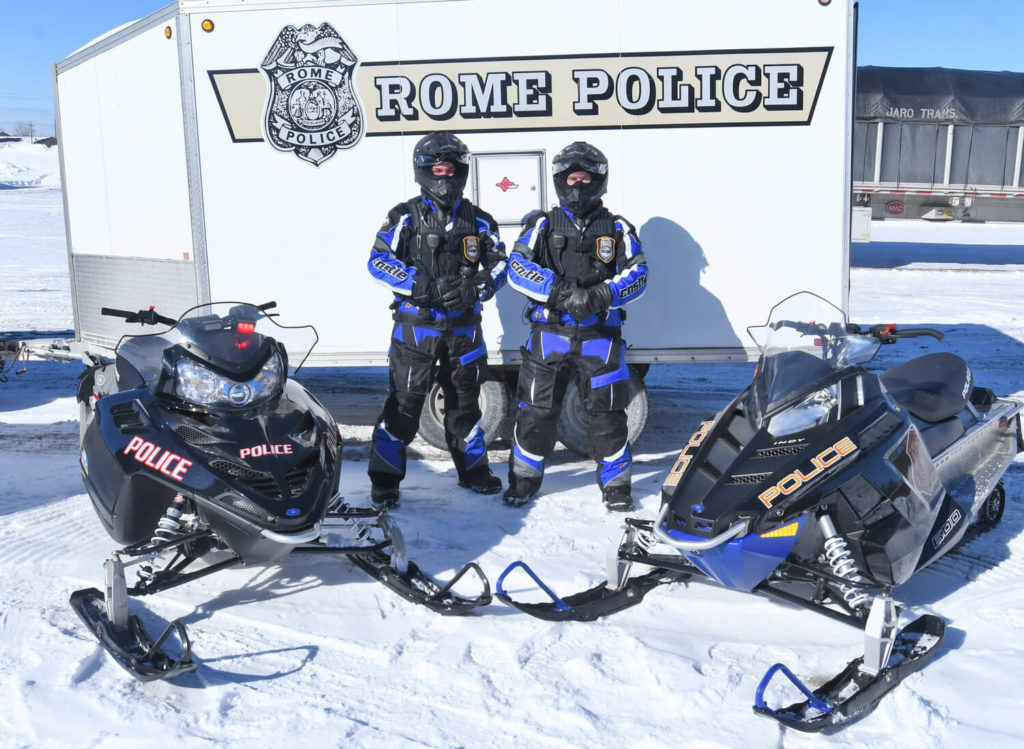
(30,131)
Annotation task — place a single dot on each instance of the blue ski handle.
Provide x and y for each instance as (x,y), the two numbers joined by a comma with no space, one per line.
(559,603)
(813,700)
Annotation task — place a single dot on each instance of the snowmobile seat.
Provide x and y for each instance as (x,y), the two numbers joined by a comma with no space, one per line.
(937,437)
(933,387)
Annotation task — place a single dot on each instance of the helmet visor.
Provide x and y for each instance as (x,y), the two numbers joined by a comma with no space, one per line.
(586,165)
(432,159)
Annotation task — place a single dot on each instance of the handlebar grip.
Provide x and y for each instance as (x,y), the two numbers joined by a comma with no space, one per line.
(117,313)
(917,332)
(266,305)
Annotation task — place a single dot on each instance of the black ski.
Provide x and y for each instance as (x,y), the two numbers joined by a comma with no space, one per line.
(415,586)
(131,645)
(588,605)
(852,694)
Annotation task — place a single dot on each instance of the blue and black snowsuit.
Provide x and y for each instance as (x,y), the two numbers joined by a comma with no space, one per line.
(419,252)
(558,251)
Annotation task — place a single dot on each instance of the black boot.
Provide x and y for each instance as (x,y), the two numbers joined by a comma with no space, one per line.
(617,498)
(481,481)
(520,490)
(384,497)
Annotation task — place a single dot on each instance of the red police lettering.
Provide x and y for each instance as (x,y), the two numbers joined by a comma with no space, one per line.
(159,459)
(260,451)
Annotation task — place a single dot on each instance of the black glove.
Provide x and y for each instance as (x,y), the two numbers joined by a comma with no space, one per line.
(586,302)
(459,294)
(561,290)
(484,285)
(424,290)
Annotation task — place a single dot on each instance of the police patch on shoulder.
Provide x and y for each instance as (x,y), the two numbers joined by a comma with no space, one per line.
(386,224)
(605,249)
(471,248)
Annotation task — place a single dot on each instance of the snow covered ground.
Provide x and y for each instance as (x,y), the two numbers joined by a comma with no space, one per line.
(313,653)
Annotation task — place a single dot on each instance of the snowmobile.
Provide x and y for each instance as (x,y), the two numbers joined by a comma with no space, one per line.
(197,444)
(825,485)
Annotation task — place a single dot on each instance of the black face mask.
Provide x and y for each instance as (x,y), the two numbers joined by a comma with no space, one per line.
(580,198)
(445,191)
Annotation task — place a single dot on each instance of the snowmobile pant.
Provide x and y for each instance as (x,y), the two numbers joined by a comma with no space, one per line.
(461,358)
(599,366)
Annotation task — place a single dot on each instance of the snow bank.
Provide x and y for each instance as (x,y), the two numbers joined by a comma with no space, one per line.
(28,165)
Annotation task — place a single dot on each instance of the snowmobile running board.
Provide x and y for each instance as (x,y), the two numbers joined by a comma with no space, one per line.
(853,693)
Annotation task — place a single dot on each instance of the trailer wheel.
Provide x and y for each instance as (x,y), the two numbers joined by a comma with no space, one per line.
(574,422)
(495,403)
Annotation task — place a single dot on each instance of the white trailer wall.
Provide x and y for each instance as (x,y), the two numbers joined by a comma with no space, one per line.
(723,241)
(124,169)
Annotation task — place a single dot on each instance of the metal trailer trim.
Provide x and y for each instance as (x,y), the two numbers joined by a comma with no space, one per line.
(947,168)
(131,30)
(192,7)
(851,72)
(879,126)
(64,201)
(503,357)
(1017,158)
(193,163)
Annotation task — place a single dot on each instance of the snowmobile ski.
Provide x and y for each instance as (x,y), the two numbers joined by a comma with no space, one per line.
(414,585)
(854,692)
(131,645)
(588,605)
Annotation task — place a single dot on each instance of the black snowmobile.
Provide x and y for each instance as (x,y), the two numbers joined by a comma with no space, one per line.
(825,485)
(197,439)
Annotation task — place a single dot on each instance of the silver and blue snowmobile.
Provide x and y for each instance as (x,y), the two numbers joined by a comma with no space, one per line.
(825,485)
(198,439)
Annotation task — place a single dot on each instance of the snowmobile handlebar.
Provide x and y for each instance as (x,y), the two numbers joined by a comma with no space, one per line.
(152,317)
(890,333)
(885,333)
(143,316)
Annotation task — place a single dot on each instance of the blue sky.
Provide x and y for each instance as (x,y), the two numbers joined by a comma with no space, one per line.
(980,35)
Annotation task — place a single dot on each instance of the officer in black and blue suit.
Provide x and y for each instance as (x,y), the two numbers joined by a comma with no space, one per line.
(442,258)
(579,265)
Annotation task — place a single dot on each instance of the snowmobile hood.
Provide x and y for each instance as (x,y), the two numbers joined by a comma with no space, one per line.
(731,472)
(275,467)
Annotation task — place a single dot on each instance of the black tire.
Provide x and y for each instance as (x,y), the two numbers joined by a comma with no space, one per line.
(992,511)
(495,403)
(574,423)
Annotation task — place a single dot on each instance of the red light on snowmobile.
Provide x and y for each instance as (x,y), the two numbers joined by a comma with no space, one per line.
(245,328)
(241,344)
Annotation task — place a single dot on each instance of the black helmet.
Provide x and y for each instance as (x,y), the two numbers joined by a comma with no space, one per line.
(579,156)
(432,149)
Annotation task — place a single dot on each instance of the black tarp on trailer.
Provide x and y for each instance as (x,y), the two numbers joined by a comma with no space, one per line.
(914,106)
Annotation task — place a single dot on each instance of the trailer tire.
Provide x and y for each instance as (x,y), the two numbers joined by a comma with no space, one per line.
(495,403)
(574,423)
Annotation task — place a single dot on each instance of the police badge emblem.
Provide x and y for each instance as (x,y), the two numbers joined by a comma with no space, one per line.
(605,249)
(471,248)
(312,107)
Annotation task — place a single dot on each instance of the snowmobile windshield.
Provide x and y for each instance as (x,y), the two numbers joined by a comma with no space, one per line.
(229,334)
(804,342)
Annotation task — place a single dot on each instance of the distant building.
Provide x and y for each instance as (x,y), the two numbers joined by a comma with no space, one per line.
(3,134)
(48,142)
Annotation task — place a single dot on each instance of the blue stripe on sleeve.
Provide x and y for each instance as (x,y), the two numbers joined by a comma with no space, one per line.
(528,278)
(629,285)
(386,269)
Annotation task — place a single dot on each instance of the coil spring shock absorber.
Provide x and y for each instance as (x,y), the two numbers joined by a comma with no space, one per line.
(843,564)
(167,527)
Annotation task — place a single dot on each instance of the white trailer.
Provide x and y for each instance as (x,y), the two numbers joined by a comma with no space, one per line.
(250,150)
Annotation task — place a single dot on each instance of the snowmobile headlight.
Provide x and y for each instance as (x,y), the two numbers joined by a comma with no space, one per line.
(197,384)
(813,410)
